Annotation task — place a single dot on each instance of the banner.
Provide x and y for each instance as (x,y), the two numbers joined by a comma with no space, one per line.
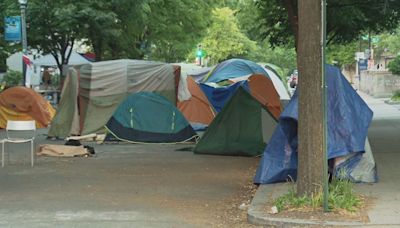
(12,28)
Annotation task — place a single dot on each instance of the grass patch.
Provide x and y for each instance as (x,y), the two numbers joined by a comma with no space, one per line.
(341,197)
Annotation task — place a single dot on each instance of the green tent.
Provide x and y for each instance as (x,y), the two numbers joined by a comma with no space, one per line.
(147,117)
(242,128)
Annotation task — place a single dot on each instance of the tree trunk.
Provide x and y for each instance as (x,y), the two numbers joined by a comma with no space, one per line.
(310,124)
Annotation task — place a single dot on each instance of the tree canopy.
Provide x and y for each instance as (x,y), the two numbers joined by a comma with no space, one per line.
(224,39)
(346,19)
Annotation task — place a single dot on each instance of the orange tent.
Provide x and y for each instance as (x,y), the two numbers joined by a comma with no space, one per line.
(21,103)
(264,91)
(196,109)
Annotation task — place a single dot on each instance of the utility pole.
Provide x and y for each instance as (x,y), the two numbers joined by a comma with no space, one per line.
(23,4)
(312,163)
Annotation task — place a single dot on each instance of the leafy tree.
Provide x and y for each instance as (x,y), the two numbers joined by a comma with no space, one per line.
(12,78)
(341,54)
(346,19)
(394,65)
(389,43)
(175,27)
(224,39)
(114,28)
(284,57)
(54,27)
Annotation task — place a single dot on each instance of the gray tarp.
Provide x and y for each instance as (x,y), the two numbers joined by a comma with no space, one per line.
(104,85)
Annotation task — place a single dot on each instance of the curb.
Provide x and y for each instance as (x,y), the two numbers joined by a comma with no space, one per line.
(256,213)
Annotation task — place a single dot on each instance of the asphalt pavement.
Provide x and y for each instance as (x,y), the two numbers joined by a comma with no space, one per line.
(123,185)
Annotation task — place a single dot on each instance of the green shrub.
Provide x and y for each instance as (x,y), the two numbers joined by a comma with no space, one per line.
(394,66)
(12,78)
(396,96)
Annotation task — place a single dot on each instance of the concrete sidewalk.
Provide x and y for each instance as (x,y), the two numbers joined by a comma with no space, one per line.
(385,210)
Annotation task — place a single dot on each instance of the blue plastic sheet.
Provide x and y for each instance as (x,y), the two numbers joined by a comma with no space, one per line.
(218,96)
(348,120)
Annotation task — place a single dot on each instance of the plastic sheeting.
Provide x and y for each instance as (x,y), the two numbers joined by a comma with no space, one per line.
(348,120)
(234,68)
(218,96)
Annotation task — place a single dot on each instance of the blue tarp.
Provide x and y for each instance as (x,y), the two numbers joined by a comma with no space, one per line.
(218,96)
(234,68)
(348,120)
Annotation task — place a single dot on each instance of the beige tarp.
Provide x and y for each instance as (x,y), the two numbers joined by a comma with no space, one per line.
(62,151)
(104,85)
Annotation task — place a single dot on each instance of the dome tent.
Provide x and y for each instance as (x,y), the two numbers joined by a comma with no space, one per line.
(147,117)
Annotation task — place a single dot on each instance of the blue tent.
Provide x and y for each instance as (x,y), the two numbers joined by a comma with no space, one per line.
(348,120)
(147,117)
(234,68)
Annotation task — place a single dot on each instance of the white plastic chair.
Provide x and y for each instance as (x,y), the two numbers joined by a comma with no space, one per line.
(18,127)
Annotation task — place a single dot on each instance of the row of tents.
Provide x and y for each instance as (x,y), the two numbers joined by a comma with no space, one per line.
(239,104)
(109,94)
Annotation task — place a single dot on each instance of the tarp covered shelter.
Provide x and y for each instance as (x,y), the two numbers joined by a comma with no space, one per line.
(147,117)
(234,68)
(348,120)
(21,103)
(242,128)
(101,86)
(219,95)
(258,85)
(194,105)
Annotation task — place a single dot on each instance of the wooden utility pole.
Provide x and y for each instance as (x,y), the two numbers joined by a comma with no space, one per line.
(310,177)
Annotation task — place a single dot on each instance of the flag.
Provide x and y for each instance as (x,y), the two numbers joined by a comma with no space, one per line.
(28,66)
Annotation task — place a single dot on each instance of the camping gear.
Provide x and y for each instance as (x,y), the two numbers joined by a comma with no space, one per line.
(242,128)
(147,117)
(348,121)
(96,89)
(21,103)
(258,85)
(63,151)
(233,68)
(279,85)
(194,104)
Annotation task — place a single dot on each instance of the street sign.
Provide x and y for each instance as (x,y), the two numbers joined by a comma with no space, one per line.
(360,55)
(12,28)
(362,64)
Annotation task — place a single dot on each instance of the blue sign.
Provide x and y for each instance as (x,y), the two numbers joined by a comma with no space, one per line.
(12,28)
(362,64)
